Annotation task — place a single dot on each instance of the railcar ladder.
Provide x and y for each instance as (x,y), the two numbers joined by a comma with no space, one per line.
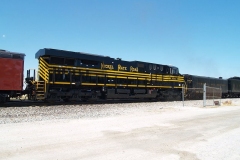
(40,90)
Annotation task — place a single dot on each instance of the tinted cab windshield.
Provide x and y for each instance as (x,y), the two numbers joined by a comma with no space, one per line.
(174,70)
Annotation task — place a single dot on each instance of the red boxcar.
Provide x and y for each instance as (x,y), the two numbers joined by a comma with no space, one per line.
(11,73)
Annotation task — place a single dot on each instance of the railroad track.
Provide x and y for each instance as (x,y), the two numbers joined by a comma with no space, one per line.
(27,103)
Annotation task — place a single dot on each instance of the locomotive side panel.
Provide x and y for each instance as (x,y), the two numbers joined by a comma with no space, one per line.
(11,74)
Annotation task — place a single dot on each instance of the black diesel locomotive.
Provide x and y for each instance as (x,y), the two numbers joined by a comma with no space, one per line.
(70,76)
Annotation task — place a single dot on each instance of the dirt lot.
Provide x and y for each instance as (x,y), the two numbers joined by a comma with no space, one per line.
(156,132)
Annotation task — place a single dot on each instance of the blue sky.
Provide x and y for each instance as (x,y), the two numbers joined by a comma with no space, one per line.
(201,37)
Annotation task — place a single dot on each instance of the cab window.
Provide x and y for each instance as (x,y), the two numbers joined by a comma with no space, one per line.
(174,71)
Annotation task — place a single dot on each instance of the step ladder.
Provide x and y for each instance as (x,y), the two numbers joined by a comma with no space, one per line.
(40,90)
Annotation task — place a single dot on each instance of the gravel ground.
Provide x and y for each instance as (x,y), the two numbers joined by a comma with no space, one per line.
(37,113)
(139,131)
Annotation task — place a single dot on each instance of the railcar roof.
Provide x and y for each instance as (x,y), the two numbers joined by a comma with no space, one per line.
(8,54)
(202,76)
(237,78)
(71,54)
